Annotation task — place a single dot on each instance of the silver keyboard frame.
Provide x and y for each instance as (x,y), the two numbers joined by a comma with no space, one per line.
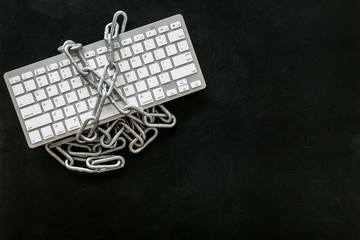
(94,46)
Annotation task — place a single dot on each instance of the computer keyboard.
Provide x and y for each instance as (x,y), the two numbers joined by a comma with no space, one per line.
(157,64)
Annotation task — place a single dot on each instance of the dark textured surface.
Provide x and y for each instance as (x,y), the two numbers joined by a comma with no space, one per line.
(269,150)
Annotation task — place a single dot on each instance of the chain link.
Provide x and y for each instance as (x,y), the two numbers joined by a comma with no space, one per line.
(88,150)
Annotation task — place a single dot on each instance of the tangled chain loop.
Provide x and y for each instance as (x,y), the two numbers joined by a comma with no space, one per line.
(88,151)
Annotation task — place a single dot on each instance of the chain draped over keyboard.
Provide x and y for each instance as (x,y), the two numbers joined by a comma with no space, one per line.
(88,151)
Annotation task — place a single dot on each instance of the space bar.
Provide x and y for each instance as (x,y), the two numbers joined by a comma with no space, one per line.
(183,71)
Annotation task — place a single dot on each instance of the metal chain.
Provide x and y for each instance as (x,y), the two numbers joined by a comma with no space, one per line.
(88,150)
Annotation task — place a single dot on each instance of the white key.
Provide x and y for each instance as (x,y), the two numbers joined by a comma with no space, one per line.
(18,89)
(89,54)
(92,63)
(93,90)
(182,59)
(145,98)
(125,52)
(176,35)
(69,110)
(57,115)
(164,78)
(52,67)
(92,102)
(101,50)
(71,97)
(149,44)
(158,93)
(129,90)
(52,90)
(101,60)
(116,45)
(76,82)
(161,40)
(83,93)
(59,128)
(25,100)
(39,71)
(108,111)
(81,106)
(171,50)
(159,54)
(75,71)
(126,41)
(135,62)
(116,56)
(181,82)
(59,101)
(15,79)
(30,85)
(139,37)
(140,86)
(147,58)
(175,25)
(119,81)
(54,77)
(163,29)
(40,95)
(124,66)
(64,63)
(131,76)
(152,82)
(65,73)
(143,72)
(72,123)
(195,84)
(184,88)
(154,68)
(38,121)
(64,86)
(166,64)
(35,136)
(30,111)
(47,105)
(137,48)
(151,33)
(171,92)
(42,81)
(183,71)
(85,116)
(133,101)
(47,132)
(27,75)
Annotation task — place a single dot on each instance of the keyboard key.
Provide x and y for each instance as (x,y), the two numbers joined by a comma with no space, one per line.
(52,91)
(140,86)
(27,75)
(71,97)
(81,107)
(31,111)
(195,84)
(126,41)
(119,81)
(40,95)
(57,115)
(171,50)
(175,25)
(139,37)
(166,64)
(42,81)
(89,54)
(64,86)
(92,63)
(163,29)
(25,100)
(124,66)
(131,76)
(147,58)
(184,88)
(161,40)
(149,44)
(101,50)
(92,102)
(183,71)
(30,85)
(125,52)
(85,116)
(116,56)
(64,62)
(47,132)
(102,60)
(182,59)
(52,67)
(154,68)
(145,98)
(158,93)
(159,54)
(176,35)
(116,45)
(171,92)
(72,123)
(151,33)
(15,79)
(143,72)
(39,71)
(83,93)
(35,136)
(59,101)
(76,82)
(164,78)
(47,105)
(38,121)
(54,77)
(181,82)
(137,48)
(59,128)
(18,89)
(133,101)
(65,73)
(129,90)
(69,111)
(152,82)
(135,62)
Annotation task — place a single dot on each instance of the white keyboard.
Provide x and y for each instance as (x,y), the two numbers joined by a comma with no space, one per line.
(157,64)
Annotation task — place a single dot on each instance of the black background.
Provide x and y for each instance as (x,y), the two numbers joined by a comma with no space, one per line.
(269,150)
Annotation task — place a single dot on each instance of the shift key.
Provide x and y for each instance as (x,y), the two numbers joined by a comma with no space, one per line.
(38,121)
(183,71)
